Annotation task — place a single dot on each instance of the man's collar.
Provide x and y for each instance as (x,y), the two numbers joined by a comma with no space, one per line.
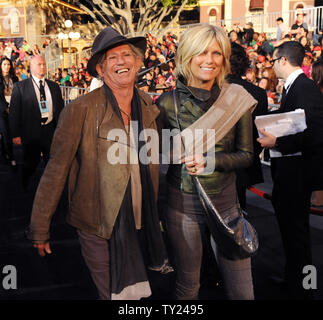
(37,79)
(292,77)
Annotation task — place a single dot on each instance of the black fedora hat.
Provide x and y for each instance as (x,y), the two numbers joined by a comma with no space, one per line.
(107,39)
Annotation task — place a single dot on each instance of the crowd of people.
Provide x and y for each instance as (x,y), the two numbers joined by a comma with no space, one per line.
(20,60)
(77,77)
(113,205)
(157,72)
(159,63)
(260,50)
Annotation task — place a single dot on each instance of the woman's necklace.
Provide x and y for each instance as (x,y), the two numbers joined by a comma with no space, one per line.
(8,84)
(6,80)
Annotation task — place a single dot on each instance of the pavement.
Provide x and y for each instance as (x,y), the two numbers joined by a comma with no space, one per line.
(64,276)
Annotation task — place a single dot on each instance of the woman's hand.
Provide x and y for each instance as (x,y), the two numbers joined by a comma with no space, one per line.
(195,164)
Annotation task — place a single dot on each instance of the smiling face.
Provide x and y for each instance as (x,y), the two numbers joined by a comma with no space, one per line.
(206,66)
(119,67)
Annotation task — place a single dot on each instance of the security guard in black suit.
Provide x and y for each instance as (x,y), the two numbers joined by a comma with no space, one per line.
(34,110)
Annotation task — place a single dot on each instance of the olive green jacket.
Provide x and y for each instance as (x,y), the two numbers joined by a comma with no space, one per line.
(233,151)
(79,144)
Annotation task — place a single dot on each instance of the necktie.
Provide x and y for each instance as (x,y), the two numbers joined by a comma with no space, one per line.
(42,98)
(42,91)
(284,93)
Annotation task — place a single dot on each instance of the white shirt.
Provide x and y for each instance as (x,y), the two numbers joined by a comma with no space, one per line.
(289,81)
(291,78)
(48,96)
(282,28)
(95,83)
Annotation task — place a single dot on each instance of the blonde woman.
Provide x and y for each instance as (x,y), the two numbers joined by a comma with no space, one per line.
(202,64)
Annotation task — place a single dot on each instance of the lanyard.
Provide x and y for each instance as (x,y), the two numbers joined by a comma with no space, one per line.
(38,87)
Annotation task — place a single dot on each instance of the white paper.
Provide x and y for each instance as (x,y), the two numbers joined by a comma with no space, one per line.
(282,124)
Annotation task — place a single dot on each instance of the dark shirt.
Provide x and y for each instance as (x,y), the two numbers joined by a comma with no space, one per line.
(248,35)
(205,98)
(295,26)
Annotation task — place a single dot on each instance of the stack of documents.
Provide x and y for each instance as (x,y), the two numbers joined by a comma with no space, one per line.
(282,124)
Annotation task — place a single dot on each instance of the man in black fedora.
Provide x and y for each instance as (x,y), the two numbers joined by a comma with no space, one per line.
(110,201)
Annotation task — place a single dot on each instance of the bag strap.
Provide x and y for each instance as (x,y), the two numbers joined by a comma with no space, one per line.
(176,114)
(175,97)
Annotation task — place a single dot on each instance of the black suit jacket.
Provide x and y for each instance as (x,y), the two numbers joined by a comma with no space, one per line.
(25,116)
(253,174)
(304,94)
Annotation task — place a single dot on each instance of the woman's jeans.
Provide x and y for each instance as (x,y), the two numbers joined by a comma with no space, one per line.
(187,231)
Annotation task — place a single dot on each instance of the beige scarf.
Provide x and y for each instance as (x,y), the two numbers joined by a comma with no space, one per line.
(233,102)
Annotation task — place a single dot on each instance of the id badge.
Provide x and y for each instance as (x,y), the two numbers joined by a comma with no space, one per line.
(44,109)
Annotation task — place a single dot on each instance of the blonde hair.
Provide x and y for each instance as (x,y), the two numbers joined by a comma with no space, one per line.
(194,42)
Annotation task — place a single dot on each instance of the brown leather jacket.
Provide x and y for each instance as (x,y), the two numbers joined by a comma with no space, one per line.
(75,152)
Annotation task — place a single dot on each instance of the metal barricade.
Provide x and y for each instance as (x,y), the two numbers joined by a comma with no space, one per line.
(71,93)
(54,57)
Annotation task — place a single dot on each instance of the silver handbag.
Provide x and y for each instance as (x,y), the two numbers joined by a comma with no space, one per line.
(236,239)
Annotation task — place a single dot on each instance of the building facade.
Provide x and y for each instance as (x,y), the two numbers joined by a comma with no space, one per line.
(228,12)
(21,20)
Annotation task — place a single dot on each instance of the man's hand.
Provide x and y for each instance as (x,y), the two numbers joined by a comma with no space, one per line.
(43,248)
(268,141)
(16,140)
